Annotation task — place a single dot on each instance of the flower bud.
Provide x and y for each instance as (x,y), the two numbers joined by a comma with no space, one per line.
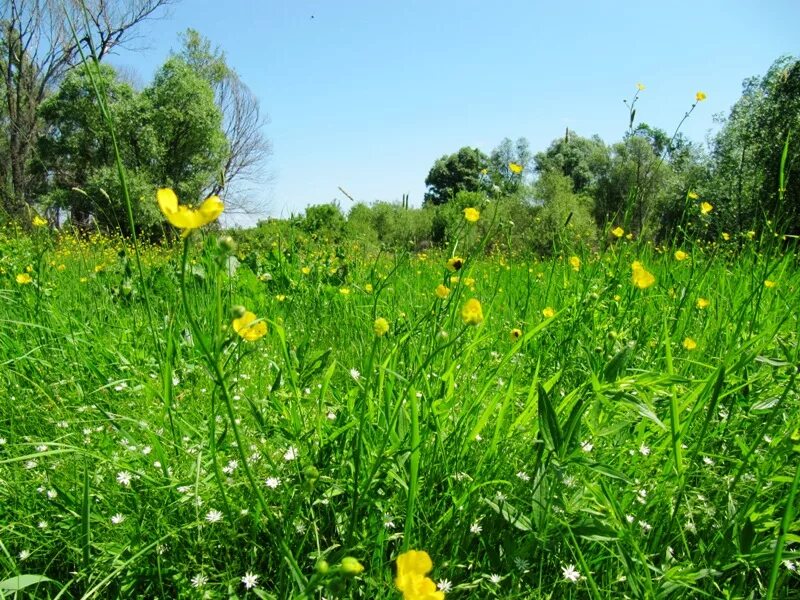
(237,312)
(350,566)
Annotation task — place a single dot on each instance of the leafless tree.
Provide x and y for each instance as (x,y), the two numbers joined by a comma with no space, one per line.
(37,48)
(248,146)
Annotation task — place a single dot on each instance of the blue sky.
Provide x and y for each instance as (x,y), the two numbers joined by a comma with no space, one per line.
(368,94)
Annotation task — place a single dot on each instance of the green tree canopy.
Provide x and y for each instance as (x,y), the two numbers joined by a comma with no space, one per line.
(459,172)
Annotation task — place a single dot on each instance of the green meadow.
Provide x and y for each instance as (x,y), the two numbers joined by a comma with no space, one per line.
(596,431)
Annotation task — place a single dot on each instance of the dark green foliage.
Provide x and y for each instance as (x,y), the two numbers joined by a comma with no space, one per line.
(459,172)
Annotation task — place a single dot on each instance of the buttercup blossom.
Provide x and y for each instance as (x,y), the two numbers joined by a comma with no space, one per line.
(515,168)
(442,291)
(472,214)
(516,333)
(186,218)
(455,263)
(706,208)
(575,262)
(548,312)
(641,277)
(700,96)
(681,255)
(471,312)
(703,303)
(692,196)
(689,344)
(618,232)
(24,279)
(640,87)
(39,221)
(249,327)
(380,327)
(412,569)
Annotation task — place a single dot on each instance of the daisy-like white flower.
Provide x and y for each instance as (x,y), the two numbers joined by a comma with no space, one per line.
(523,476)
(42,525)
(117,518)
(124,478)
(3,441)
(290,454)
(644,450)
(570,573)
(355,374)
(214,516)
(587,446)
(249,580)
(41,448)
(475,528)
(199,580)
(331,416)
(444,586)
(389,524)
(52,494)
(31,464)
(272,482)
(24,554)
(495,578)
(230,467)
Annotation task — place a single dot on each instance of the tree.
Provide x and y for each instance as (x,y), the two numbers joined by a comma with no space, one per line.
(747,152)
(510,152)
(243,122)
(168,135)
(584,160)
(37,49)
(455,173)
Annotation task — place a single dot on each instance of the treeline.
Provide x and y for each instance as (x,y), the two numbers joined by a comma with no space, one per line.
(650,184)
(196,127)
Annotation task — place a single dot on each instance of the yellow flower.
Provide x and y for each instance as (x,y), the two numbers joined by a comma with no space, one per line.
(442,291)
(515,333)
(689,344)
(515,168)
(24,279)
(618,232)
(692,196)
(471,312)
(726,236)
(484,171)
(305,270)
(344,291)
(380,327)
(249,327)
(39,221)
(703,303)
(767,283)
(641,277)
(629,236)
(575,262)
(706,208)
(187,218)
(280,297)
(548,312)
(412,568)
(751,234)
(455,263)
(640,87)
(368,288)
(681,255)
(700,96)
(472,214)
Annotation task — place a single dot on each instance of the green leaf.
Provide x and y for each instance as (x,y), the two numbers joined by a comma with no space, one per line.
(548,421)
(14,584)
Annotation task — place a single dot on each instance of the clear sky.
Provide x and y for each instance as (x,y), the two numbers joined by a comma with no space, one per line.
(367,94)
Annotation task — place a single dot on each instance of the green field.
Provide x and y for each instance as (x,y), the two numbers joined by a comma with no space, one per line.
(594,433)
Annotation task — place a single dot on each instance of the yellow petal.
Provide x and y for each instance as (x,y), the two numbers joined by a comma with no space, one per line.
(211,208)
(167,201)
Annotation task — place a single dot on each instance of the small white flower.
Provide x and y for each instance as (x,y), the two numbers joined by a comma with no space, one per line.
(41,448)
(272,482)
(42,525)
(214,516)
(389,524)
(199,580)
(500,496)
(475,528)
(630,518)
(791,565)
(146,450)
(523,476)
(249,580)
(644,450)
(290,454)
(587,446)
(495,578)
(24,554)
(331,416)
(355,374)
(117,518)
(570,573)
(31,464)
(3,441)
(646,527)
(444,586)
(51,494)
(124,478)
(708,460)
(767,439)
(62,425)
